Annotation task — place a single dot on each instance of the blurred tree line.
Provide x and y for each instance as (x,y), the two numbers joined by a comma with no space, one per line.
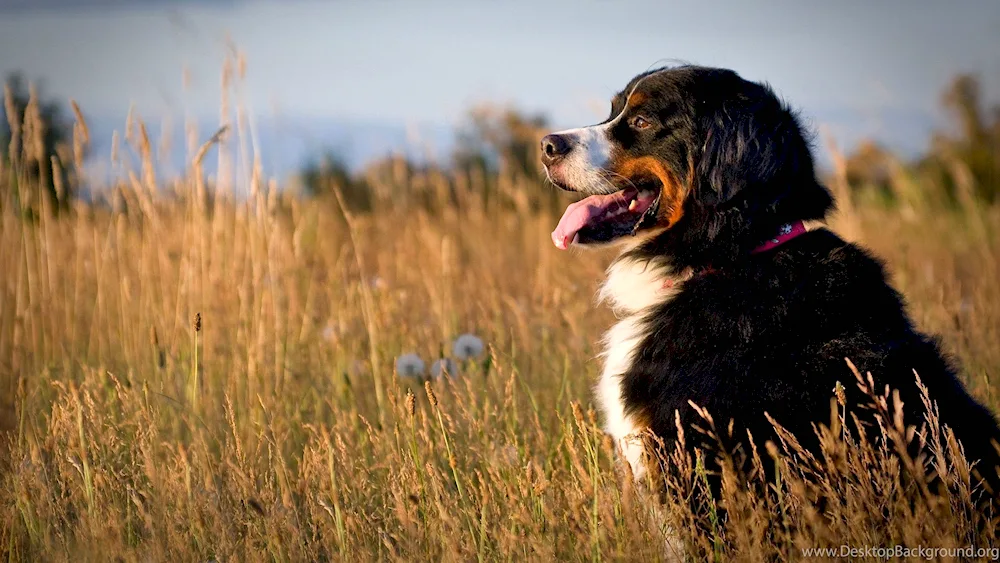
(36,150)
(495,158)
(960,166)
(495,161)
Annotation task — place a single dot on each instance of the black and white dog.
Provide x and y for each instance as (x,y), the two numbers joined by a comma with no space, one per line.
(725,299)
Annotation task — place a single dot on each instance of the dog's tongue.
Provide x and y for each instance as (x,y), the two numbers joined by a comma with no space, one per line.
(578,215)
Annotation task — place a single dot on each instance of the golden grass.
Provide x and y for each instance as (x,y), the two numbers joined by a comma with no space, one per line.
(194,378)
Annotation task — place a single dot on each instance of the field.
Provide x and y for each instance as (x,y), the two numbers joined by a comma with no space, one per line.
(188,377)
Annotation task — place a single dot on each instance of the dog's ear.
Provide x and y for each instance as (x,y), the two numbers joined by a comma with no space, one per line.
(755,154)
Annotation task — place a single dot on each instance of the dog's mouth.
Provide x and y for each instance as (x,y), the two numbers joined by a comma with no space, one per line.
(603,218)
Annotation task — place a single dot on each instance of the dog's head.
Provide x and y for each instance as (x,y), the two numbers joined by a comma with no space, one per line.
(689,158)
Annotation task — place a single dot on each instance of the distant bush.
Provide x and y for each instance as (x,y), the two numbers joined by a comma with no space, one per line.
(38,147)
(495,162)
(961,166)
(322,178)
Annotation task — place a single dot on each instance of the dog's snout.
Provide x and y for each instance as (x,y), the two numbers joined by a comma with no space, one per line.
(554,147)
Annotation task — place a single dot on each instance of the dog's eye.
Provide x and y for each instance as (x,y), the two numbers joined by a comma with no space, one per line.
(640,122)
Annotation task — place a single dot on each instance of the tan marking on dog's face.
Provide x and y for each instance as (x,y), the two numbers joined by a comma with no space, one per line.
(672,191)
(635,99)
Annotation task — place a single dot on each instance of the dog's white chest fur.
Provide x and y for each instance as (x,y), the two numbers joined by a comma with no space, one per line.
(632,289)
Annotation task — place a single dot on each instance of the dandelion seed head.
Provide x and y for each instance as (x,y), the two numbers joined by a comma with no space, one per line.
(444,366)
(466,347)
(409,365)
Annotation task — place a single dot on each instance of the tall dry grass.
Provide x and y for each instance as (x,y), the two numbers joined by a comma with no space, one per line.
(189,375)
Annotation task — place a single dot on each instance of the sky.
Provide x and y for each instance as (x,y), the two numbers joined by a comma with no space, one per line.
(333,69)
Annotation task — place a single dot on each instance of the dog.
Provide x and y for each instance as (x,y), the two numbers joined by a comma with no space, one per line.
(725,299)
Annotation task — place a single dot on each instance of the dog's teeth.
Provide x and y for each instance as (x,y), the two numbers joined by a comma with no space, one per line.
(633,205)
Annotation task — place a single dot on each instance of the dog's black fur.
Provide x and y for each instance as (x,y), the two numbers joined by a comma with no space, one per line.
(755,333)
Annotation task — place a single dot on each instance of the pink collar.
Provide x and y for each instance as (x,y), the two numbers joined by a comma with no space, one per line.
(786,232)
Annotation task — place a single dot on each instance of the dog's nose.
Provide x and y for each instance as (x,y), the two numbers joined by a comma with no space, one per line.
(554,147)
